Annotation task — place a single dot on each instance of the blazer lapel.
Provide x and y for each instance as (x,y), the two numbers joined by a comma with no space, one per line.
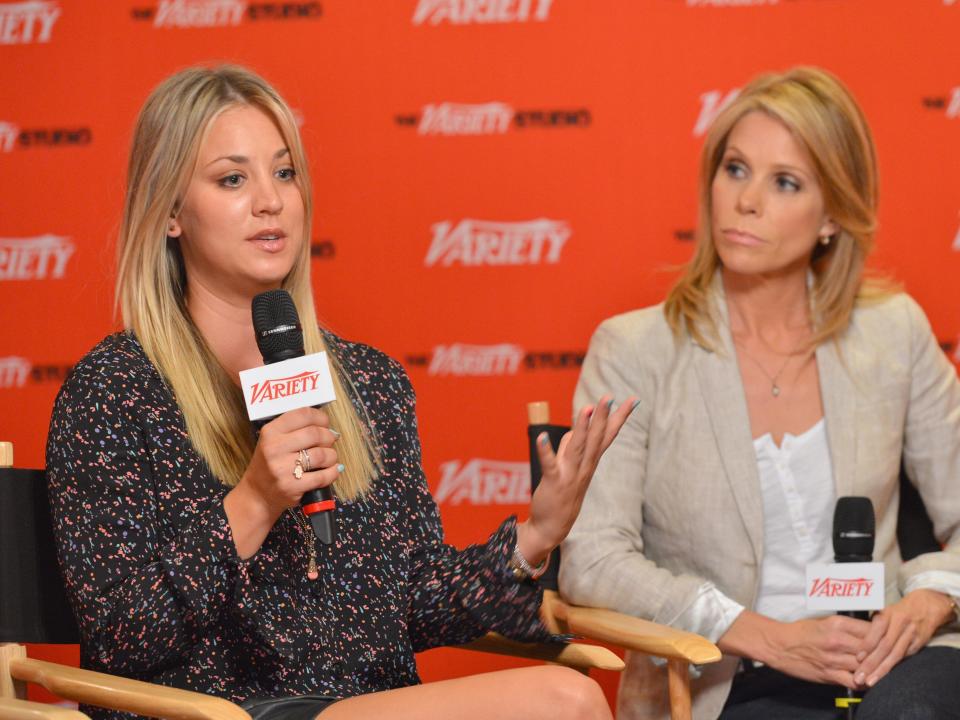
(722,390)
(839,396)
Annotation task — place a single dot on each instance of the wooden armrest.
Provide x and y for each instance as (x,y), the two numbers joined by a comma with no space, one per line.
(119,693)
(12,709)
(632,633)
(578,655)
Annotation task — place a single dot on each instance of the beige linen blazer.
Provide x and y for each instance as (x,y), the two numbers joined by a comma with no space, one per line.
(676,499)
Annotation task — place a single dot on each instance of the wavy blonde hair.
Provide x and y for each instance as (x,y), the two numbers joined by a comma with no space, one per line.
(151,278)
(825,119)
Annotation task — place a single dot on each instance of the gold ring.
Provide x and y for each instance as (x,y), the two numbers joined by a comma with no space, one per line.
(305,461)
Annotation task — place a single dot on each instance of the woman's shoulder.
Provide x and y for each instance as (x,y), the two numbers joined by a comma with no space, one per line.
(889,316)
(366,365)
(117,358)
(644,332)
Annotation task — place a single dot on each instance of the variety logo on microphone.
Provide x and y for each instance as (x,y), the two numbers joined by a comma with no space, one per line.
(35,258)
(14,371)
(484,482)
(845,586)
(13,138)
(490,118)
(30,21)
(487,242)
(840,587)
(284,387)
(712,103)
(222,13)
(463,12)
(275,388)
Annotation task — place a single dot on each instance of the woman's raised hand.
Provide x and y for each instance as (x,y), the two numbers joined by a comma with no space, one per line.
(278,474)
(566,476)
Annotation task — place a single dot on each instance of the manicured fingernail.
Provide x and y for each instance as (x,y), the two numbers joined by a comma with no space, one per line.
(543,438)
(341,468)
(634,405)
(872,681)
(860,678)
(609,404)
(335,433)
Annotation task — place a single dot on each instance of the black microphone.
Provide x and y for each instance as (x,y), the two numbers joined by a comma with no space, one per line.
(276,324)
(854,532)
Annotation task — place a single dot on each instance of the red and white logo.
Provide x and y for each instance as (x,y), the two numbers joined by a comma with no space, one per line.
(483,360)
(300,382)
(446,118)
(14,371)
(462,12)
(35,258)
(484,482)
(487,242)
(844,586)
(22,23)
(287,387)
(199,13)
(829,587)
(712,103)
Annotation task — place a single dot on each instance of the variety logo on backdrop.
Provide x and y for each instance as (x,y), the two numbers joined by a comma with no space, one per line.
(12,137)
(712,103)
(222,13)
(464,360)
(484,482)
(463,12)
(492,118)
(30,21)
(949,103)
(15,371)
(36,258)
(956,241)
(488,242)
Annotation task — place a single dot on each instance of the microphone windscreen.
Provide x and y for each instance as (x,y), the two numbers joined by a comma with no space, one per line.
(276,325)
(854,528)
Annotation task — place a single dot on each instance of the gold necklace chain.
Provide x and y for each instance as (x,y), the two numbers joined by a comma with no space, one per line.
(304,525)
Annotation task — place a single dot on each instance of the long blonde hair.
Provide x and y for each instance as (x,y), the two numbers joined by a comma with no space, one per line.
(151,278)
(825,119)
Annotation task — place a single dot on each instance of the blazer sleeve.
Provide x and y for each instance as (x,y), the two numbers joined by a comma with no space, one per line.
(931,448)
(603,562)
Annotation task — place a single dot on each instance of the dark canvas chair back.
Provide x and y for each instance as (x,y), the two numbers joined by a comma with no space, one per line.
(33,607)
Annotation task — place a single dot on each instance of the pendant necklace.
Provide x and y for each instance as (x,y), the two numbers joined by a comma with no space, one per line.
(304,525)
(774,387)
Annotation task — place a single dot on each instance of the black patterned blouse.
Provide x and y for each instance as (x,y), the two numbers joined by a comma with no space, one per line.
(160,593)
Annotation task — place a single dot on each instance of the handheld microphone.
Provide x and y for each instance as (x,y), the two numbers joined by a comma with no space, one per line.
(854,531)
(276,324)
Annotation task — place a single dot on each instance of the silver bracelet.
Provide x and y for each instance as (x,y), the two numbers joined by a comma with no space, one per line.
(523,570)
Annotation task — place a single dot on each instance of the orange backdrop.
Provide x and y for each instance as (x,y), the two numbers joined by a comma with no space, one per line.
(493,177)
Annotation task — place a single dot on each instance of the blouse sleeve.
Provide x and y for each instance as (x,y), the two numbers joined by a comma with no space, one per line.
(142,595)
(455,595)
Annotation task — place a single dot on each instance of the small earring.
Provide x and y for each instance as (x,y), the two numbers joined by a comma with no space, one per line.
(825,240)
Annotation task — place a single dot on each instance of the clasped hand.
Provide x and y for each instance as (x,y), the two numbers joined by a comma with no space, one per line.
(566,476)
(858,653)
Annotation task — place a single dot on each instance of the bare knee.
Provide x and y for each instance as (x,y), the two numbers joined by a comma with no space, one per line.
(572,695)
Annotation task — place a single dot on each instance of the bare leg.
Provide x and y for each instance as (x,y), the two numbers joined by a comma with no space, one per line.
(535,693)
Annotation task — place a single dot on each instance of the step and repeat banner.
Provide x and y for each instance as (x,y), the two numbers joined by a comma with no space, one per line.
(493,178)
